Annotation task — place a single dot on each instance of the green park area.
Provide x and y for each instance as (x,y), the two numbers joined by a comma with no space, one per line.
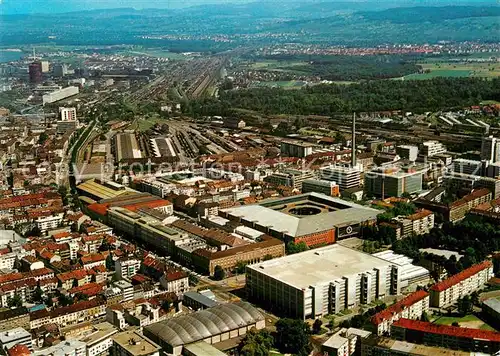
(467,321)
(457,70)
(288,84)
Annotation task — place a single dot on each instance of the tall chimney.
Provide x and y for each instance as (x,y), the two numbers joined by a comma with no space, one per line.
(353,141)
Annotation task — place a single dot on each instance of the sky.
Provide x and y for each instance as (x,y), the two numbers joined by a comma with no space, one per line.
(57,6)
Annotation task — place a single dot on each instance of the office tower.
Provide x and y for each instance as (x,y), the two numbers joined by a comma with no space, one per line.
(490,149)
(35,72)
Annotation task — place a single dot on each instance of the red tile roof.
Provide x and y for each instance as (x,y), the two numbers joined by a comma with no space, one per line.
(149,204)
(397,308)
(19,350)
(93,257)
(455,331)
(459,277)
(90,289)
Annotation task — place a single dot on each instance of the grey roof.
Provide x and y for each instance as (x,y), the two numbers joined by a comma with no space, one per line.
(200,298)
(493,303)
(206,323)
(262,215)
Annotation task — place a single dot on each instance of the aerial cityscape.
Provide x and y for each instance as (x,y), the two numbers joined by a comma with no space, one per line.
(270,178)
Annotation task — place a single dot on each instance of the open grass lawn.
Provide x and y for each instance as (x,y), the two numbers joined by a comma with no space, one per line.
(468,321)
(457,69)
(146,124)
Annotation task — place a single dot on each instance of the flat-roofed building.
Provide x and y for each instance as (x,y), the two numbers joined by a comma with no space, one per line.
(321,281)
(290,178)
(432,148)
(131,343)
(345,177)
(375,345)
(393,181)
(12,337)
(313,218)
(321,186)
(296,148)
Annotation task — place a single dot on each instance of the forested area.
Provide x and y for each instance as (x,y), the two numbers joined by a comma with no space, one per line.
(410,95)
(350,68)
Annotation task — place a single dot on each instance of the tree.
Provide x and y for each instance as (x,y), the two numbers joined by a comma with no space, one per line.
(293,247)
(64,300)
(42,138)
(292,336)
(425,317)
(240,267)
(464,305)
(38,294)
(256,343)
(474,298)
(110,263)
(15,301)
(267,257)
(455,323)
(316,328)
(219,273)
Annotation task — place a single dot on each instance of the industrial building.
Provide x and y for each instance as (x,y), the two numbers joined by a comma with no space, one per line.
(213,325)
(61,94)
(321,281)
(296,148)
(313,218)
(126,147)
(490,149)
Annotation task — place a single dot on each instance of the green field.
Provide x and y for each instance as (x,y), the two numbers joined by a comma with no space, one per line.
(146,124)
(468,321)
(457,69)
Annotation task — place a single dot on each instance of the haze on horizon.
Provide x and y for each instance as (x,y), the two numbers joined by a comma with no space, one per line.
(8,7)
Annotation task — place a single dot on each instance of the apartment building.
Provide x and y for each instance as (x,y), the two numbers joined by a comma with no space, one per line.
(411,307)
(432,148)
(17,336)
(45,223)
(459,285)
(126,267)
(419,223)
(175,281)
(450,337)
(290,178)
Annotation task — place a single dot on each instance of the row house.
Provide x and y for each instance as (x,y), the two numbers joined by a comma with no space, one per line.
(461,284)
(93,260)
(411,307)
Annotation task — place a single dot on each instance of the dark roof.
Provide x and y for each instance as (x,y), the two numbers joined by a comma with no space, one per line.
(200,298)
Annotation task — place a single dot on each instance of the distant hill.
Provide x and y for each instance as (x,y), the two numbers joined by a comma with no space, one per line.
(356,23)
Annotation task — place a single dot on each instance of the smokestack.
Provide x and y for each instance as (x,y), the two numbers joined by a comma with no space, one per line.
(353,145)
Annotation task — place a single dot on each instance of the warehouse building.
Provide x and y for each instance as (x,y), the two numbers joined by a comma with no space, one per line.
(313,218)
(213,325)
(321,281)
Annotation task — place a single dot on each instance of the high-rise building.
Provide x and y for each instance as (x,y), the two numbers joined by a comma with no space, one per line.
(393,181)
(45,66)
(432,148)
(345,177)
(67,114)
(35,72)
(407,151)
(490,149)
(60,70)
